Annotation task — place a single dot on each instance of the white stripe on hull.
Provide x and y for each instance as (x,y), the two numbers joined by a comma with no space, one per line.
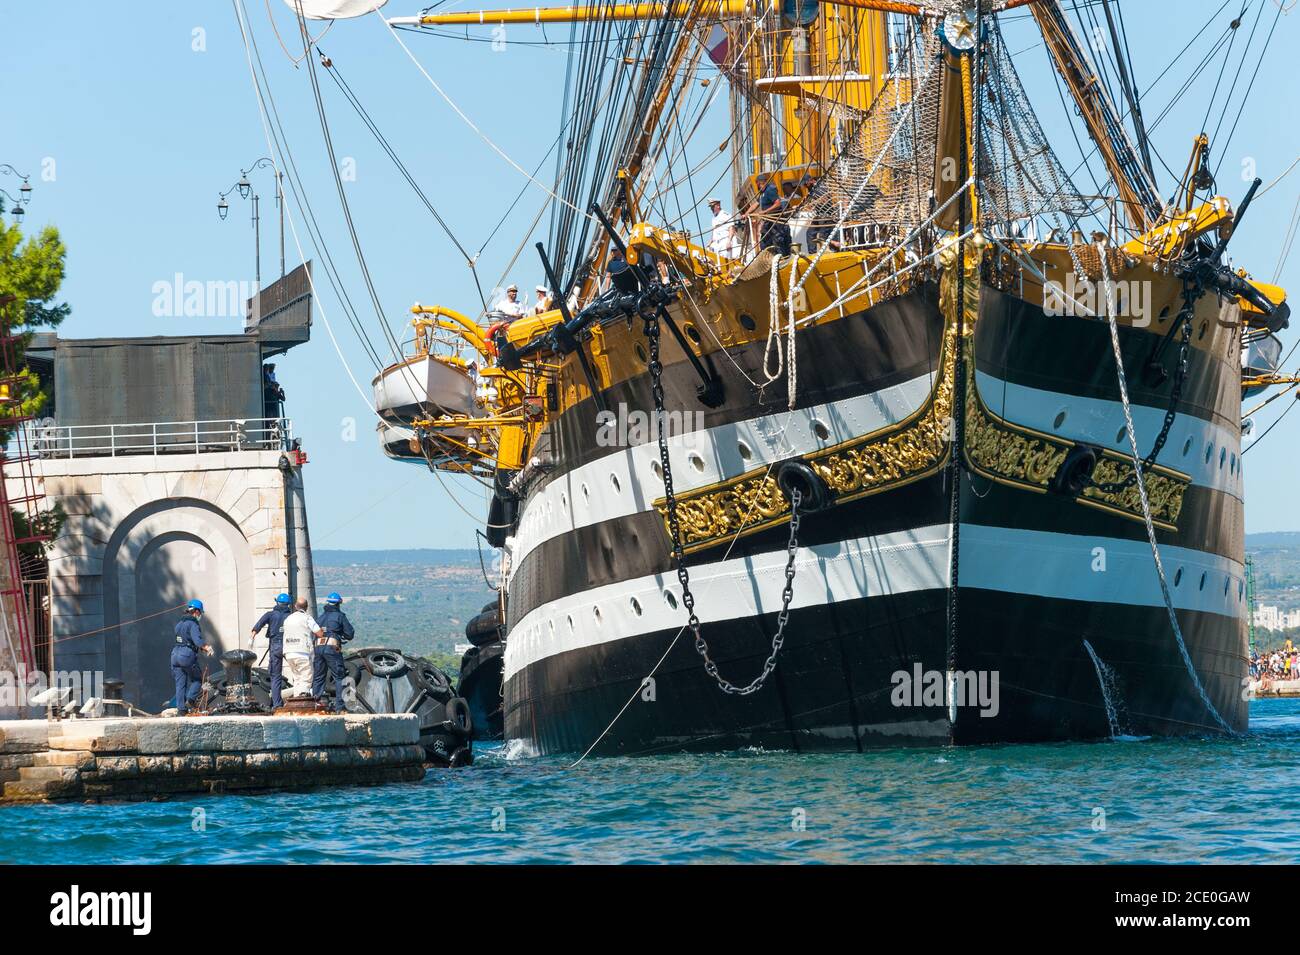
(623,483)
(1009,560)
(1208,453)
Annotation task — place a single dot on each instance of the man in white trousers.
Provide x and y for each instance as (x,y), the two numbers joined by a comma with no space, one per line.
(300,633)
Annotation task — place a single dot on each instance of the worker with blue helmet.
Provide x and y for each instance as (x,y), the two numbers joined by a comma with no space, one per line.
(273,621)
(329,650)
(185,656)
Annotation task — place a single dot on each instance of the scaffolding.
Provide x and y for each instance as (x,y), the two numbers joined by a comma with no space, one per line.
(20,491)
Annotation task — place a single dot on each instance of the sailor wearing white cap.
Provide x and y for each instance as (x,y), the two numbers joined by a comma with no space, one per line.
(724,239)
(510,306)
(543,300)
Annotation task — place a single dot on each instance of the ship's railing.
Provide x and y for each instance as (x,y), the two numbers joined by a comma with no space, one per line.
(159,437)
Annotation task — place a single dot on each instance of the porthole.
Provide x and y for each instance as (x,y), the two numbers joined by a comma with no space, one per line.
(1058,420)
(570,619)
(1205,327)
(746,452)
(658,470)
(1178,576)
(1232,463)
(613,482)
(595,612)
(636,606)
(820,431)
(640,353)
(1209,451)
(1201,585)
(697,462)
(1226,582)
(1187,447)
(586,493)
(692,334)
(1241,590)
(670,599)
(1120,435)
(551,625)
(564,502)
(747,322)
(1223,457)
(1164,313)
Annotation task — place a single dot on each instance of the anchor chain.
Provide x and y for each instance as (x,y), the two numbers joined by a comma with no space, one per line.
(679,557)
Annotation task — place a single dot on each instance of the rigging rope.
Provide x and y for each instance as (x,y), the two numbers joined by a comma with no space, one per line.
(1142,490)
(470,123)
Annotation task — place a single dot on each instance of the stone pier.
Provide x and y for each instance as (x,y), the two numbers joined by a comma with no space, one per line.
(146,533)
(141,759)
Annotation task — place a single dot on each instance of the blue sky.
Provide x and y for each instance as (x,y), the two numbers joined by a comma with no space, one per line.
(131,124)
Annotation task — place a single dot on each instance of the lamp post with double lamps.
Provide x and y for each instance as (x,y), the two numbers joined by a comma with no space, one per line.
(246,191)
(18,205)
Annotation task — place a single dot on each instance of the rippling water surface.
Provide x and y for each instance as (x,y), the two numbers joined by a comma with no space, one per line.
(1211,800)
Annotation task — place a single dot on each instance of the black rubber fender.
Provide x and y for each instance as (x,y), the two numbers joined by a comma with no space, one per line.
(430,677)
(459,717)
(484,628)
(814,495)
(384,663)
(1073,475)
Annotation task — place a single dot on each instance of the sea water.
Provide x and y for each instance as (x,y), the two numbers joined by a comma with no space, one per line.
(1126,800)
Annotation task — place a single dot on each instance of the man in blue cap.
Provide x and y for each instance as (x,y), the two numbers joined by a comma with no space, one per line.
(329,650)
(273,621)
(185,657)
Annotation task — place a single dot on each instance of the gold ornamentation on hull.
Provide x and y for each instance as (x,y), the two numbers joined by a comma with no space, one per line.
(891,457)
(919,446)
(1022,457)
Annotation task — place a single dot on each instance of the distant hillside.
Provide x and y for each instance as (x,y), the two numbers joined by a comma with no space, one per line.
(1271,539)
(427,556)
(1276,559)
(416,600)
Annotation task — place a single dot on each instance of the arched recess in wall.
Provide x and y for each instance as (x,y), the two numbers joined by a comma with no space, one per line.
(163,554)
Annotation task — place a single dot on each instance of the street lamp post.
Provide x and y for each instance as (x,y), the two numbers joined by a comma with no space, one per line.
(24,191)
(246,191)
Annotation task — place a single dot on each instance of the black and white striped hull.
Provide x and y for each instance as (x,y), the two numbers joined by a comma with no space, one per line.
(595,605)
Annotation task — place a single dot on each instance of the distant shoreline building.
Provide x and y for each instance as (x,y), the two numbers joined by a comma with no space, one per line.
(180,477)
(1269,617)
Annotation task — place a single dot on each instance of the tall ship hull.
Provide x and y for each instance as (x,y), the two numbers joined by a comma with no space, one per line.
(595,601)
(921,444)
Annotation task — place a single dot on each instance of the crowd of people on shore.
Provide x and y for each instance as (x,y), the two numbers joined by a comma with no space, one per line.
(1282,663)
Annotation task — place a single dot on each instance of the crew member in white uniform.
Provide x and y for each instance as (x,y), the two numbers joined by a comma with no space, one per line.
(724,239)
(300,633)
(543,300)
(510,306)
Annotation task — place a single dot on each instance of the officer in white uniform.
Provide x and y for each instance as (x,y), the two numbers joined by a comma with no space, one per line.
(724,239)
(543,300)
(510,306)
(300,633)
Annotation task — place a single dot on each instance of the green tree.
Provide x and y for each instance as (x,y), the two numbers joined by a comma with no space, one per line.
(31,272)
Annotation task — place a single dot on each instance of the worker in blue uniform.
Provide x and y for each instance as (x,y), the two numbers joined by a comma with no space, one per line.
(185,656)
(273,621)
(337,630)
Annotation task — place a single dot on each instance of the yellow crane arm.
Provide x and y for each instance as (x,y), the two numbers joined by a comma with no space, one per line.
(466,327)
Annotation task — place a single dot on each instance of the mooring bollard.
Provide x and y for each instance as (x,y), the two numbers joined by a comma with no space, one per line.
(238,665)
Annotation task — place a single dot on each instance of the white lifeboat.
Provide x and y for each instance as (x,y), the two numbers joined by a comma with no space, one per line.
(426,386)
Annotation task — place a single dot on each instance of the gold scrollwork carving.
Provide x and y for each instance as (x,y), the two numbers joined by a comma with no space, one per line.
(893,456)
(919,446)
(1025,458)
